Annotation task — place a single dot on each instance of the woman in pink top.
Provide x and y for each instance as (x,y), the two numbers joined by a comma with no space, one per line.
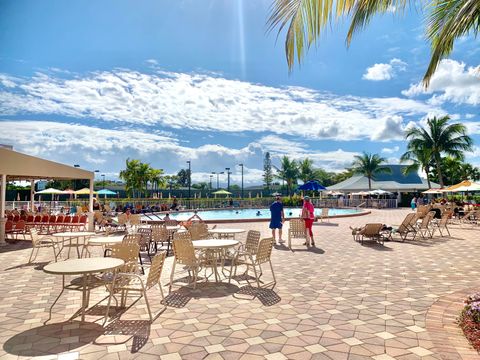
(308,215)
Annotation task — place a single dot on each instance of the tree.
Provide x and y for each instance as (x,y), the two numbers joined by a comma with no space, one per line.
(288,172)
(130,176)
(201,186)
(420,159)
(306,20)
(370,165)
(267,171)
(442,139)
(324,177)
(182,177)
(157,179)
(306,171)
(455,171)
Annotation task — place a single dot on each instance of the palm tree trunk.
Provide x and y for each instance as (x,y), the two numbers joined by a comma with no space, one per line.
(439,170)
(369,183)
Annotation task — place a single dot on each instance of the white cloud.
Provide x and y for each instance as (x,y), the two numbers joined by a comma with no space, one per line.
(453,81)
(204,102)
(107,149)
(390,150)
(379,72)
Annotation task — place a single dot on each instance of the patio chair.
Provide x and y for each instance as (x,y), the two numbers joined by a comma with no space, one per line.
(408,226)
(423,210)
(324,215)
(244,250)
(122,220)
(128,253)
(425,227)
(160,235)
(261,256)
(371,231)
(442,224)
(296,231)
(19,228)
(130,282)
(170,222)
(184,254)
(38,244)
(199,231)
(135,220)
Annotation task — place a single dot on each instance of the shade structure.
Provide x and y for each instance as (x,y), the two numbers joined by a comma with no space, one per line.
(106,192)
(360,193)
(334,193)
(50,191)
(222,192)
(84,191)
(472,187)
(433,191)
(68,191)
(379,192)
(312,185)
(460,184)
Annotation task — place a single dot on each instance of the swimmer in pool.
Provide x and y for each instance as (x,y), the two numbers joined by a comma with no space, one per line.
(259,213)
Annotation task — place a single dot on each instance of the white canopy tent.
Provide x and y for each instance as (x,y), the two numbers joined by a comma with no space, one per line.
(18,166)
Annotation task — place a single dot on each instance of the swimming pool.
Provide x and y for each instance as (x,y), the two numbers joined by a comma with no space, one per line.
(245,214)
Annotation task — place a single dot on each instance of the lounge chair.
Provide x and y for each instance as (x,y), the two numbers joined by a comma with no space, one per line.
(425,227)
(442,224)
(408,226)
(296,230)
(371,231)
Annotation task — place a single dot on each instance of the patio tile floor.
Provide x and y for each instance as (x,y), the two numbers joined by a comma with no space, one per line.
(340,300)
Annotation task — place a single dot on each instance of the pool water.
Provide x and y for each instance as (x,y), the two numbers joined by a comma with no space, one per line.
(243,214)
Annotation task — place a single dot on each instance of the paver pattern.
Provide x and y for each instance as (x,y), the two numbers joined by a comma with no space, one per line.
(339,300)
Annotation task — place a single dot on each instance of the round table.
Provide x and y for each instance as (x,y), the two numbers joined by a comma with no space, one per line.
(83,267)
(215,251)
(225,232)
(106,240)
(71,235)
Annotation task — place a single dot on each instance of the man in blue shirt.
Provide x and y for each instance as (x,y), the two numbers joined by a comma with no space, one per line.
(277,218)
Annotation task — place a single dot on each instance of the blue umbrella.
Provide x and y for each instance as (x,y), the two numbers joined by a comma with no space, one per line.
(106,192)
(312,185)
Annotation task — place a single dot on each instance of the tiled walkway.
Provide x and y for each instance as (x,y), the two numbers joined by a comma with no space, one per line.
(338,301)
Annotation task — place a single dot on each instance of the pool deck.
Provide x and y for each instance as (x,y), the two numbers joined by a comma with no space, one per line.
(340,300)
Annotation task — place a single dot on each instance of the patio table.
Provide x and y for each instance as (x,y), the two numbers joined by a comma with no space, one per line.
(71,236)
(223,233)
(84,267)
(104,241)
(215,250)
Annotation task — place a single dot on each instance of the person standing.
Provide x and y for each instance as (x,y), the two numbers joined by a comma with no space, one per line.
(413,203)
(277,218)
(308,215)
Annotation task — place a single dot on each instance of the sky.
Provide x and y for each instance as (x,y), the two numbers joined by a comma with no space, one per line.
(96,82)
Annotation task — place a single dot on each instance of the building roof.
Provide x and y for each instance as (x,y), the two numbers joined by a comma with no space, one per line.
(18,166)
(395,182)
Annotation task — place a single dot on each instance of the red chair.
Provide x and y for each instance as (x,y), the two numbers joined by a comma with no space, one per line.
(10,217)
(23,217)
(29,221)
(83,222)
(52,222)
(16,218)
(44,222)
(75,222)
(67,221)
(59,223)
(8,227)
(18,229)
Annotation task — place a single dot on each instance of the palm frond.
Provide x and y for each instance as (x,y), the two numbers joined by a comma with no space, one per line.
(448,21)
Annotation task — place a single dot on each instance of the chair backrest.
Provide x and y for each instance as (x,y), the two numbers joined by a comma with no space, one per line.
(156,269)
(198,230)
(132,239)
(83,219)
(107,208)
(52,219)
(67,219)
(38,218)
(122,219)
(45,218)
(325,212)
(16,218)
(426,220)
(171,222)
(75,219)
(34,236)
(251,244)
(183,249)
(145,234)
(30,218)
(9,225)
(405,225)
(444,220)
(159,233)
(20,225)
(297,227)
(128,253)
(371,230)
(264,250)
(135,219)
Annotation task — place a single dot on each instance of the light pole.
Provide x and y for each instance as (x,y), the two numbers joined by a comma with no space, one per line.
(103,176)
(218,174)
(241,165)
(189,177)
(75,181)
(228,178)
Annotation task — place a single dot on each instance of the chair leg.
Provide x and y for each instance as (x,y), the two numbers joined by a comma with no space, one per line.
(273,273)
(256,275)
(31,256)
(148,305)
(171,276)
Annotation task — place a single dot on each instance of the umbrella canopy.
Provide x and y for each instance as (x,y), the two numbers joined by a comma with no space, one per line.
(379,192)
(433,191)
(334,193)
(276,194)
(106,192)
(361,193)
(50,191)
(222,192)
(460,184)
(68,191)
(472,187)
(312,185)
(84,191)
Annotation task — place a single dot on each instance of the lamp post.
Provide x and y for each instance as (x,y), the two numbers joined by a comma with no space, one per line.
(218,174)
(75,181)
(189,177)
(228,178)
(241,165)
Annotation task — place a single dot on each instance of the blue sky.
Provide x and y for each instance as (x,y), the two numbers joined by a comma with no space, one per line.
(93,83)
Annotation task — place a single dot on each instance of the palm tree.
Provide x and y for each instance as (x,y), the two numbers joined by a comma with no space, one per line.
(130,175)
(420,158)
(370,165)
(306,20)
(288,172)
(440,138)
(306,171)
